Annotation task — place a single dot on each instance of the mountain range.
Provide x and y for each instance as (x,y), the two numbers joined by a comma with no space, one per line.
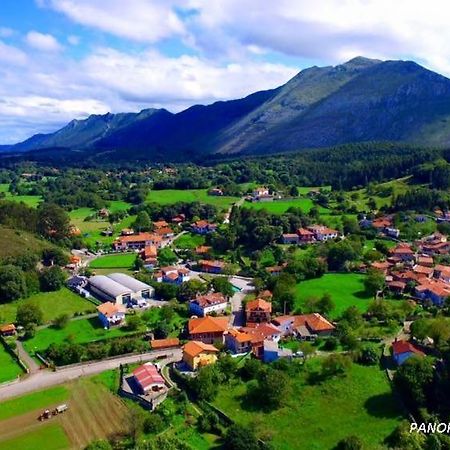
(362,100)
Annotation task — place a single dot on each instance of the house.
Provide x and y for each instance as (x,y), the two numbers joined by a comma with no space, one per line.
(261,194)
(442,272)
(392,232)
(137,241)
(203,227)
(305,236)
(206,304)
(165,232)
(148,379)
(258,311)
(238,342)
(149,255)
(423,270)
(290,238)
(198,354)
(179,218)
(103,213)
(396,287)
(310,326)
(127,232)
(437,291)
(260,333)
(207,329)
(381,223)
(382,266)
(284,324)
(120,288)
(274,270)
(202,250)
(402,350)
(404,252)
(209,266)
(215,192)
(111,314)
(426,261)
(173,275)
(8,330)
(272,351)
(160,224)
(160,344)
(323,233)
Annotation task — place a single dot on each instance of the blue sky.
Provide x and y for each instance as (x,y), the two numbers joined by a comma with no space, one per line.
(65,59)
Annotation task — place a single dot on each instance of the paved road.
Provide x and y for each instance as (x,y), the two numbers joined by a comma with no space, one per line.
(46,378)
(32,365)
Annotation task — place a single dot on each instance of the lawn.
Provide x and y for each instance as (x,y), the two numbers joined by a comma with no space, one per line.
(281,206)
(52,435)
(91,230)
(169,196)
(53,304)
(189,241)
(9,367)
(30,200)
(317,417)
(116,261)
(30,402)
(79,331)
(345,290)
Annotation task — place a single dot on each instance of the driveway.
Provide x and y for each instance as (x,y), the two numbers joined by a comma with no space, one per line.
(46,378)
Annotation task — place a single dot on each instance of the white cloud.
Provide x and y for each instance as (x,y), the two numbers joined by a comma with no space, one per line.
(42,41)
(11,55)
(73,40)
(139,20)
(6,32)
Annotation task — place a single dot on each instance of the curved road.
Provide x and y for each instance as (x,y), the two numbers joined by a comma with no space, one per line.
(45,378)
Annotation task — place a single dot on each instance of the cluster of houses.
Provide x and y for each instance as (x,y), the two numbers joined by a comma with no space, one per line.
(383,225)
(415,268)
(309,235)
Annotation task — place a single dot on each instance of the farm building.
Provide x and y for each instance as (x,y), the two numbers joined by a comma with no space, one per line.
(120,288)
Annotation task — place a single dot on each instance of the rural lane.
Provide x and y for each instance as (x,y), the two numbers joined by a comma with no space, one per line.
(46,378)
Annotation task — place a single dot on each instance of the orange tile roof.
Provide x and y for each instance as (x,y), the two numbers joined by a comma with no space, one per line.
(260,304)
(195,348)
(150,251)
(160,224)
(214,298)
(164,231)
(164,343)
(240,336)
(208,324)
(314,321)
(140,237)
(109,309)
(8,328)
(202,249)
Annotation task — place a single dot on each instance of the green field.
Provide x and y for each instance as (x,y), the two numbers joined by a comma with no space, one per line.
(91,230)
(79,331)
(52,435)
(30,200)
(317,417)
(281,206)
(345,290)
(30,402)
(189,241)
(9,368)
(117,261)
(169,196)
(52,304)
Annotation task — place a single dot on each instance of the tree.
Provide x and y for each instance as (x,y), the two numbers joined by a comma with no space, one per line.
(379,308)
(439,331)
(414,380)
(61,321)
(142,222)
(293,191)
(374,281)
(272,389)
(12,283)
(239,437)
(368,356)
(190,289)
(153,423)
(53,221)
(134,322)
(135,422)
(228,366)
(100,444)
(325,305)
(306,348)
(206,384)
(222,285)
(335,364)
(166,257)
(52,279)
(420,329)
(209,422)
(350,443)
(54,256)
(29,313)
(162,330)
(352,316)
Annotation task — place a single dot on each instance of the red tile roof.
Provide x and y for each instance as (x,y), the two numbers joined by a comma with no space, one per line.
(147,375)
(314,321)
(401,346)
(259,304)
(156,344)
(208,324)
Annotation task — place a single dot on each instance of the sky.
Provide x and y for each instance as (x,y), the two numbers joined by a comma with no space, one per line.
(66,59)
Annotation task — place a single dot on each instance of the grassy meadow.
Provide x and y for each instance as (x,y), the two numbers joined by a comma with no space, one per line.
(169,196)
(189,241)
(317,417)
(115,261)
(52,304)
(345,290)
(9,367)
(281,206)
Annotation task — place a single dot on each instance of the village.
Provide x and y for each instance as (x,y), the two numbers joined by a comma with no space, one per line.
(181,308)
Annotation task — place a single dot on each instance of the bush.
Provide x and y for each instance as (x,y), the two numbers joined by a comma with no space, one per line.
(61,321)
(52,279)
(368,356)
(153,423)
(330,344)
(209,422)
